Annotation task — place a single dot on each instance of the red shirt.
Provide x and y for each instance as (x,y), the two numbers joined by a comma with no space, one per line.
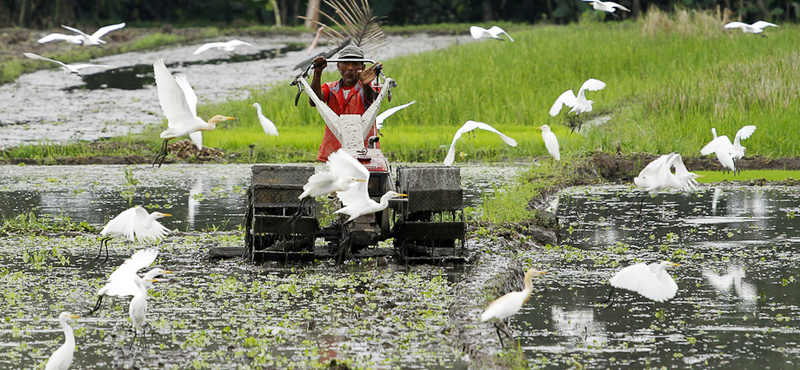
(355,103)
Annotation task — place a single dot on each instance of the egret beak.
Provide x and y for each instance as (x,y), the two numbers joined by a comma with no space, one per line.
(73,316)
(228,118)
(167,272)
(151,280)
(402,195)
(251,105)
(699,176)
(674,264)
(166,215)
(362,180)
(541,272)
(539,128)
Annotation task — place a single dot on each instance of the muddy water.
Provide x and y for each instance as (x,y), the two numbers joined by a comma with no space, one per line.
(737,306)
(199,197)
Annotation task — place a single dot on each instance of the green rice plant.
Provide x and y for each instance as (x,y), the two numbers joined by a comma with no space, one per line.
(30,224)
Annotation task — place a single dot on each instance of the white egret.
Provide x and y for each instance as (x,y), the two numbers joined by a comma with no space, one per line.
(658,174)
(508,305)
(722,147)
(179,104)
(355,197)
(651,281)
(383,116)
(269,127)
(344,170)
(757,27)
(606,6)
(124,282)
(133,224)
(550,142)
(71,68)
(82,37)
(470,126)
(228,46)
(578,103)
(494,32)
(61,358)
(728,153)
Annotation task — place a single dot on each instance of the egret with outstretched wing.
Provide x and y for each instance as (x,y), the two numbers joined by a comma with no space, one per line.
(72,68)
(94,39)
(383,116)
(757,27)
(606,6)
(494,33)
(470,126)
(228,46)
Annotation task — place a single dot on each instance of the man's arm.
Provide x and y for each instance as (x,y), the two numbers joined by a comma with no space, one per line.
(316,83)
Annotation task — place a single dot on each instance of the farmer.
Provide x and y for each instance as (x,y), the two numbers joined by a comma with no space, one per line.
(352,94)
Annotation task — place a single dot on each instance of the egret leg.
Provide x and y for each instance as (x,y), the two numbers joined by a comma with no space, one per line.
(497,328)
(162,154)
(609,299)
(96,306)
(132,340)
(293,220)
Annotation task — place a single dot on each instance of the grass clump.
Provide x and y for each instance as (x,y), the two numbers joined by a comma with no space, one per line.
(30,224)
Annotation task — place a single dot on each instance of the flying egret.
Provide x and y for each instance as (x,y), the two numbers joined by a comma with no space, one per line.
(383,116)
(133,224)
(470,126)
(651,281)
(269,127)
(722,147)
(82,37)
(579,104)
(61,359)
(494,32)
(344,170)
(606,6)
(757,27)
(228,46)
(358,203)
(179,103)
(508,305)
(124,279)
(72,68)
(550,142)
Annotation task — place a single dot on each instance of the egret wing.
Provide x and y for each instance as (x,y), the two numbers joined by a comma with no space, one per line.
(721,142)
(171,96)
(137,261)
(567,98)
(735,25)
(451,153)
(344,165)
(208,46)
(496,31)
(592,84)
(383,116)
(745,132)
(477,32)
(236,42)
(615,5)
(319,184)
(639,278)
(75,39)
(188,93)
(104,30)
(268,126)
(484,126)
(197,139)
(35,56)
(762,24)
(87,65)
(356,196)
(123,224)
(73,29)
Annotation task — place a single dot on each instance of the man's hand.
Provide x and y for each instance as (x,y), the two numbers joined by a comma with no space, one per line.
(319,63)
(366,76)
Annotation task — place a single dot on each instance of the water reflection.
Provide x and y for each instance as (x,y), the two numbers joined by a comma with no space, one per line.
(198,196)
(738,296)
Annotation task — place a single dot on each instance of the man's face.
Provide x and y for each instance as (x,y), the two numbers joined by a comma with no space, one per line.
(348,71)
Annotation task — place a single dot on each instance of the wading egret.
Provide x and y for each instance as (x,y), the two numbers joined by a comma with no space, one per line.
(179,104)
(72,68)
(62,357)
(82,37)
(124,281)
(494,33)
(658,175)
(269,127)
(508,305)
(651,281)
(550,142)
(383,116)
(757,27)
(606,6)
(470,126)
(228,46)
(579,104)
(133,224)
